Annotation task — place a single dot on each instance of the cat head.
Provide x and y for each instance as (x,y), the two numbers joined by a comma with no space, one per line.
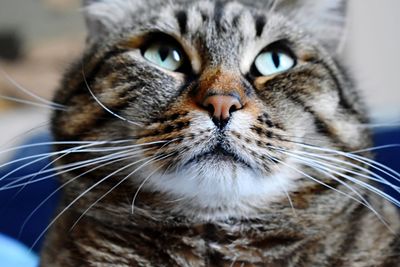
(220,101)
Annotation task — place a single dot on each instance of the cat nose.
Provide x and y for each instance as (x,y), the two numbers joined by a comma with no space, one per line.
(221,107)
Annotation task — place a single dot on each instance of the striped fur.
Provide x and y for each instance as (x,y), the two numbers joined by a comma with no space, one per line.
(264,206)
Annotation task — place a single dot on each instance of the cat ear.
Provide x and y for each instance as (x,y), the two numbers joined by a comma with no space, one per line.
(106,16)
(325,19)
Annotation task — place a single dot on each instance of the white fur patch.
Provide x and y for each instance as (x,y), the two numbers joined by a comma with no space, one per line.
(222,189)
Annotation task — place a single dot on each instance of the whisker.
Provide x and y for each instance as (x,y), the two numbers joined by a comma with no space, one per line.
(376,148)
(144,182)
(369,162)
(321,182)
(108,192)
(80,196)
(27,102)
(45,144)
(102,105)
(50,164)
(43,156)
(271,158)
(114,142)
(381,125)
(377,178)
(38,158)
(70,167)
(28,92)
(23,135)
(326,168)
(113,160)
(317,166)
(119,183)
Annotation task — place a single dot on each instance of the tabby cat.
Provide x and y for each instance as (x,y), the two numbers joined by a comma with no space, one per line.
(216,133)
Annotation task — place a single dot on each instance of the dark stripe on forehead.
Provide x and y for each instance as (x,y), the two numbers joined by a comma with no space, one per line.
(181,17)
(219,12)
(260,21)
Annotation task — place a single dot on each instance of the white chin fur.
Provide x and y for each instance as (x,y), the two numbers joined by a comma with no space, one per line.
(218,192)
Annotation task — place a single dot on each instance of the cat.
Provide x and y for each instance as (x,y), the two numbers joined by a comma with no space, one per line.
(216,133)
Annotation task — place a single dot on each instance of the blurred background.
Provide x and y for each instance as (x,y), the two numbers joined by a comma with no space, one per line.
(39,38)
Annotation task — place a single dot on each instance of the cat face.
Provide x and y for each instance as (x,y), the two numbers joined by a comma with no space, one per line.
(219,97)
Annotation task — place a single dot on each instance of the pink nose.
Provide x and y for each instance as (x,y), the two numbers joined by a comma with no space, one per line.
(221,106)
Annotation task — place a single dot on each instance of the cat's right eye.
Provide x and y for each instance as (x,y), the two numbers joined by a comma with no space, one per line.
(274,59)
(167,56)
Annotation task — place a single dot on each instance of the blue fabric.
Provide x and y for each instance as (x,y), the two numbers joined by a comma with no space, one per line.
(16,204)
(14,254)
(389,157)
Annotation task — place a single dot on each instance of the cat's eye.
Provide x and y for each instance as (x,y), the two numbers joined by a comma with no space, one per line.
(167,56)
(274,61)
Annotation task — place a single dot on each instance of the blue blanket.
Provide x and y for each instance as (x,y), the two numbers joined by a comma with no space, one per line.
(14,254)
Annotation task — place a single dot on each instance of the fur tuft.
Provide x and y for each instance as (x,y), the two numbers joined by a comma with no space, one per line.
(104,16)
(325,19)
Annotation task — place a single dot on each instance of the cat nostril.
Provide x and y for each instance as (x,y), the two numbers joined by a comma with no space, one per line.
(221,107)
(211,109)
(233,109)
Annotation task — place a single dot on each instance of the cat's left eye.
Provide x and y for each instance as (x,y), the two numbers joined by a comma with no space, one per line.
(274,61)
(167,56)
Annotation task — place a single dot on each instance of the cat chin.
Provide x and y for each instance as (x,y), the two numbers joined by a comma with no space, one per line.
(216,192)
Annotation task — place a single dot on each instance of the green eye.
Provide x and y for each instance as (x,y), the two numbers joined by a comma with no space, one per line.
(273,62)
(167,56)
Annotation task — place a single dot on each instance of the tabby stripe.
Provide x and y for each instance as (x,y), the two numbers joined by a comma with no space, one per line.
(99,120)
(169,118)
(248,88)
(350,237)
(166,129)
(91,75)
(181,17)
(318,189)
(393,258)
(260,22)
(321,125)
(219,12)
(342,100)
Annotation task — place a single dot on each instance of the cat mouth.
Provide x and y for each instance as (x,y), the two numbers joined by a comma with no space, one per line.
(218,154)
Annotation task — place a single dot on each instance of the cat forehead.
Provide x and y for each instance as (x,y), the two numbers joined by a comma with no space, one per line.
(211,18)
(119,13)
(324,19)
(210,21)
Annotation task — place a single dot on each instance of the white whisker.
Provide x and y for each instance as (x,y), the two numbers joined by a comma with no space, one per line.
(31,94)
(119,183)
(80,196)
(27,102)
(374,177)
(108,162)
(371,163)
(71,167)
(103,106)
(318,166)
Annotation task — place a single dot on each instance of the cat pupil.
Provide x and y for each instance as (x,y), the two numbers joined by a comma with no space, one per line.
(164,52)
(275,59)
